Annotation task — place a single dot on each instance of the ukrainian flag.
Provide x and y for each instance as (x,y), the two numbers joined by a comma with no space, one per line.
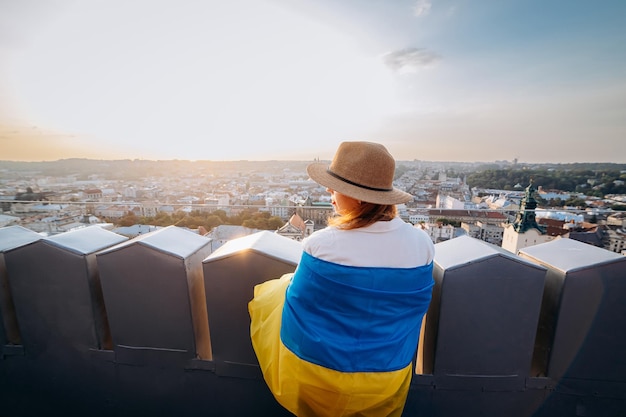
(336,340)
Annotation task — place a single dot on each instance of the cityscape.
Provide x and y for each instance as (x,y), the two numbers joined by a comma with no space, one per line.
(153,175)
(224,200)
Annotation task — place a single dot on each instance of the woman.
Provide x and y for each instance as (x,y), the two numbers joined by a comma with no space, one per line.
(337,337)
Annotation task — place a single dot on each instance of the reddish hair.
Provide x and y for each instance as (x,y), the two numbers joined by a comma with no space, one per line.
(363,215)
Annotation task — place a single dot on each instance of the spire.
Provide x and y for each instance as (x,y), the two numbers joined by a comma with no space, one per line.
(525,219)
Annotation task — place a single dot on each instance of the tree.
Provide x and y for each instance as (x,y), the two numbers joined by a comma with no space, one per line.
(221,214)
(213,221)
(128,220)
(556,202)
(249,223)
(575,202)
(275,223)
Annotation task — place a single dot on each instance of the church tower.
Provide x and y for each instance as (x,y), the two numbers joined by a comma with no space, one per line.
(525,219)
(525,231)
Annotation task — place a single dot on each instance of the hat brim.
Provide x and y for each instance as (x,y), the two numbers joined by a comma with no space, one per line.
(318,172)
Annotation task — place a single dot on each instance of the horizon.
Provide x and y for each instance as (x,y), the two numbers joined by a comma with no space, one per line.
(432,80)
(398,161)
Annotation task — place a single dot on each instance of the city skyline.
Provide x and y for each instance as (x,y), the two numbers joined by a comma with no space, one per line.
(284,80)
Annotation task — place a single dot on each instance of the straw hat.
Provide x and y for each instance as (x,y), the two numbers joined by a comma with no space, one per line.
(361,170)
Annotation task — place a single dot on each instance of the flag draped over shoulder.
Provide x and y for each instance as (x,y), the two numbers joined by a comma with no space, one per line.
(336,340)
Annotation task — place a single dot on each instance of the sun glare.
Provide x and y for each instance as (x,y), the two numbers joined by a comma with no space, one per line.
(162,95)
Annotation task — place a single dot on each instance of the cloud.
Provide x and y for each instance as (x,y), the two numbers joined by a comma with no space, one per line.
(409,60)
(422,7)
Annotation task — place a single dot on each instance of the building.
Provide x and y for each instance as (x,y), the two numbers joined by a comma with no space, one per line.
(149,210)
(317,212)
(296,228)
(416,218)
(491,233)
(93,194)
(617,219)
(216,201)
(500,202)
(446,201)
(135,230)
(117,211)
(548,195)
(486,216)
(438,232)
(280,211)
(221,234)
(616,241)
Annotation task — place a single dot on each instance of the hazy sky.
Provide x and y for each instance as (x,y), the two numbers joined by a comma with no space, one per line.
(450,80)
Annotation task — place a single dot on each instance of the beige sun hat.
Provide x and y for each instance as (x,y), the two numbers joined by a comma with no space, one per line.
(361,170)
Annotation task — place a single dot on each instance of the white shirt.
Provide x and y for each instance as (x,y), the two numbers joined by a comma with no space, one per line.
(393,243)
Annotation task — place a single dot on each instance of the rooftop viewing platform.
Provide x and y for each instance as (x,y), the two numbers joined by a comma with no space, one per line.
(160,159)
(95,323)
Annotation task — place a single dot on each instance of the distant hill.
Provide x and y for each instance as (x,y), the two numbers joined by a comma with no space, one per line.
(138,168)
(589,179)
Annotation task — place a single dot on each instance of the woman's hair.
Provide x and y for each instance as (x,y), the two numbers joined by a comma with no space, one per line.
(363,215)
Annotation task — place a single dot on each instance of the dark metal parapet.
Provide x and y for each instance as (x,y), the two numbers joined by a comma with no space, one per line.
(230,274)
(496,342)
(581,341)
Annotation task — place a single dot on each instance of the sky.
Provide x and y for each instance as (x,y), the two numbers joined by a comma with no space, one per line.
(435,80)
